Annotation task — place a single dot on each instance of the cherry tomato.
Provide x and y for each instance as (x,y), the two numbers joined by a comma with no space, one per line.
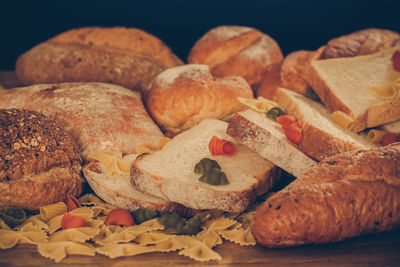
(293,133)
(120,217)
(285,120)
(396,60)
(72,221)
(389,138)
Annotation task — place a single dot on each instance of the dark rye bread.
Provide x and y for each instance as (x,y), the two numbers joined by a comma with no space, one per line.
(346,195)
(39,161)
(126,56)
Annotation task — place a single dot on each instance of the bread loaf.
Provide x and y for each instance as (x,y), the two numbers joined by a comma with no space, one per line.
(101,117)
(39,161)
(126,56)
(346,195)
(181,97)
(237,51)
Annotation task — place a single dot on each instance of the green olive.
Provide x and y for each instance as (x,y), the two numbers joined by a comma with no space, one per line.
(214,176)
(142,215)
(204,165)
(13,216)
(174,221)
(275,112)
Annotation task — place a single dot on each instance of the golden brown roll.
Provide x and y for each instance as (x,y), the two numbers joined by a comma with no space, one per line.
(181,97)
(237,51)
(346,195)
(126,56)
(39,162)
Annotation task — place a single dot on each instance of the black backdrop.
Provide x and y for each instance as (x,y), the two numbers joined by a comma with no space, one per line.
(293,24)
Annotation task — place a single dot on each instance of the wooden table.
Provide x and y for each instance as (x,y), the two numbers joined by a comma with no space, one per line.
(371,250)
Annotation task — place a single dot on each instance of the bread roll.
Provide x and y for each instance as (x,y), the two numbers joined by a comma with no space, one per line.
(353,193)
(181,97)
(237,50)
(101,117)
(39,161)
(125,56)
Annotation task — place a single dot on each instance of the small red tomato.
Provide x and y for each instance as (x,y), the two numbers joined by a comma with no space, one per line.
(72,221)
(389,138)
(120,217)
(293,133)
(396,60)
(285,120)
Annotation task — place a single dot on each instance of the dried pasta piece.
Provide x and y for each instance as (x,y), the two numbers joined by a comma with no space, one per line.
(113,162)
(80,234)
(4,226)
(209,237)
(116,234)
(152,238)
(143,149)
(168,245)
(102,208)
(220,224)
(343,120)
(54,224)
(121,250)
(387,91)
(242,237)
(163,141)
(85,212)
(50,211)
(36,221)
(10,238)
(57,251)
(90,199)
(260,104)
(152,224)
(197,250)
(375,136)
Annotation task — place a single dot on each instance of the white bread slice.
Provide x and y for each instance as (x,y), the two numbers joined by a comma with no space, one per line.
(322,137)
(169,173)
(343,84)
(266,137)
(117,190)
(393,127)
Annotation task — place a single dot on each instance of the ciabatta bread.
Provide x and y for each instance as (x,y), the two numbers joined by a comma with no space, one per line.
(322,137)
(39,161)
(180,97)
(126,56)
(237,51)
(169,173)
(346,195)
(101,117)
(267,138)
(343,84)
(117,189)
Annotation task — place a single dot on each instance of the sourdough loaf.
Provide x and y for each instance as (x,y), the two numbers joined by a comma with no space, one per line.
(39,161)
(343,84)
(169,173)
(181,97)
(126,56)
(101,117)
(267,138)
(237,51)
(322,137)
(346,195)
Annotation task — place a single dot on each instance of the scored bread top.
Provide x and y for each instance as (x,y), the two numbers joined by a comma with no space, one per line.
(178,157)
(31,144)
(101,117)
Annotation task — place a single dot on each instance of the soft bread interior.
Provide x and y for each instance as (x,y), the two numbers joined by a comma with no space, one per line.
(176,160)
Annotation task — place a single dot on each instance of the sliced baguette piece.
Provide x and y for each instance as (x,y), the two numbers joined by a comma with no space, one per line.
(343,85)
(266,137)
(169,173)
(117,190)
(322,137)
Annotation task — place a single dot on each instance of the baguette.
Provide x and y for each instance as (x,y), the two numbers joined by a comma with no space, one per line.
(346,195)
(266,137)
(169,173)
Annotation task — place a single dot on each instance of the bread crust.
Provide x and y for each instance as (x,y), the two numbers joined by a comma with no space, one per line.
(237,50)
(349,194)
(270,82)
(39,161)
(181,97)
(125,56)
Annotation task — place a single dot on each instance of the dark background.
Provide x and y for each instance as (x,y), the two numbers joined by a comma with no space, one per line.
(293,24)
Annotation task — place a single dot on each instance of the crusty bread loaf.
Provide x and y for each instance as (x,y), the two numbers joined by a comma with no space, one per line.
(39,161)
(237,51)
(363,42)
(181,97)
(349,194)
(169,173)
(269,83)
(126,56)
(321,136)
(266,137)
(343,84)
(101,117)
(117,190)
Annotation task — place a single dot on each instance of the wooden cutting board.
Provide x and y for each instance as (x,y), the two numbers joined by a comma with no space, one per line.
(370,250)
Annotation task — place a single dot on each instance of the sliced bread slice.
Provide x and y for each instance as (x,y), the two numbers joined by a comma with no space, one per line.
(169,173)
(343,84)
(266,137)
(321,136)
(117,190)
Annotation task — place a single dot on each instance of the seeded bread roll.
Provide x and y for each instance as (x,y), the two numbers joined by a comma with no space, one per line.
(125,56)
(181,97)
(237,51)
(39,162)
